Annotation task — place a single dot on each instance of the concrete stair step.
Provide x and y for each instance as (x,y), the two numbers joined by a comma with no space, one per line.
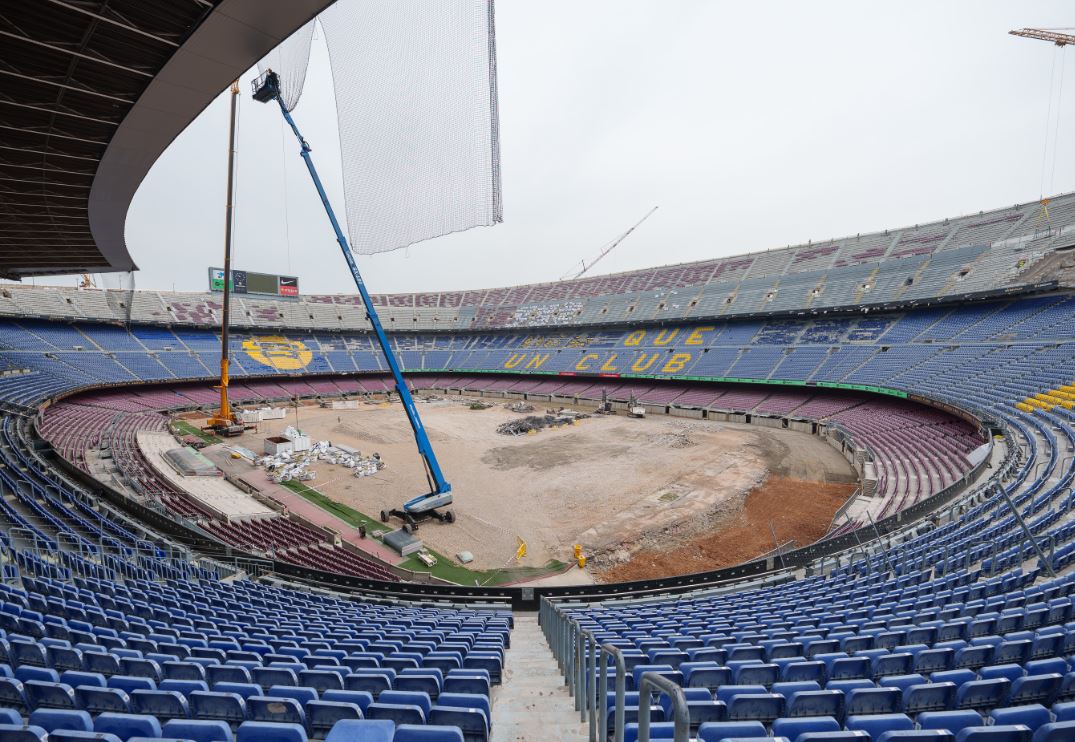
(532,703)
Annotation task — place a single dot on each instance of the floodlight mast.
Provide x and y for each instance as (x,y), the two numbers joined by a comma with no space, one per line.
(267,88)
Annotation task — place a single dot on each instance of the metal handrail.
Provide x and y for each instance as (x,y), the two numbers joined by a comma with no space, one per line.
(680,711)
(584,663)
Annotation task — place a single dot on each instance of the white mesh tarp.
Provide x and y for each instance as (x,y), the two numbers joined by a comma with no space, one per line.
(289,61)
(415,86)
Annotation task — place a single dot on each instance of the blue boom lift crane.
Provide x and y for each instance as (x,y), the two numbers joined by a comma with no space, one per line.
(267,89)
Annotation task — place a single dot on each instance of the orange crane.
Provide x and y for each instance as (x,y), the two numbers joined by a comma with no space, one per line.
(225,420)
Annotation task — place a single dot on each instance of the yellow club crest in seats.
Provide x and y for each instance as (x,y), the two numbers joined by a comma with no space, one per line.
(280,353)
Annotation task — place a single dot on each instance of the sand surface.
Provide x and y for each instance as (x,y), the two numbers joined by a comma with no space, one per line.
(613,484)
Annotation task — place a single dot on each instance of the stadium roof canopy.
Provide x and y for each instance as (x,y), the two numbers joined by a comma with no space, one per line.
(91,93)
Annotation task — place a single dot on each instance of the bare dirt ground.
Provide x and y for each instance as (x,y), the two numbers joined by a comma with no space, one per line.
(613,484)
(777,511)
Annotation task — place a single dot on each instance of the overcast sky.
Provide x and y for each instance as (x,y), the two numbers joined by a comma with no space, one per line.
(751,125)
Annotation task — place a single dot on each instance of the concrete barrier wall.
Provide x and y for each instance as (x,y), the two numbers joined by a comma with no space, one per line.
(767,422)
(686,412)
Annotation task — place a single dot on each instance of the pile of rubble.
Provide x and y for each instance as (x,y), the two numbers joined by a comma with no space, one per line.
(534,423)
(296,465)
(520,407)
(674,439)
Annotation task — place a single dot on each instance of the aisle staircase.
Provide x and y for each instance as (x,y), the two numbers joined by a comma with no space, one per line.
(532,704)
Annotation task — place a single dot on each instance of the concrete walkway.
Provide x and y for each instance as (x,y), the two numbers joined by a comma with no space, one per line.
(532,703)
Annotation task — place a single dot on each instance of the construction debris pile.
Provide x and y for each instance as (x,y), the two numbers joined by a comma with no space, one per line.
(534,423)
(674,439)
(295,465)
(520,407)
(478,405)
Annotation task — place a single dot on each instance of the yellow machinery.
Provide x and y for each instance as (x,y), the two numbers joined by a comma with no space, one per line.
(225,421)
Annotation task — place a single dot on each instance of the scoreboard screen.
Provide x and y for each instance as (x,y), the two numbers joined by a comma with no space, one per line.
(259,284)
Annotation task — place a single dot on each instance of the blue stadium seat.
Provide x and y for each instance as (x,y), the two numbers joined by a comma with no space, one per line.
(398,713)
(12,694)
(759,674)
(198,730)
(413,733)
(186,687)
(928,697)
(243,689)
(227,674)
(74,735)
(1016,733)
(876,724)
(1064,711)
(321,716)
(101,700)
(816,703)
(52,719)
(792,728)
(467,684)
(952,721)
(804,672)
(764,707)
(1059,731)
(726,692)
(278,709)
(268,731)
(368,730)
(229,707)
(473,722)
(861,701)
(129,683)
(1030,715)
(163,704)
(707,677)
(715,731)
(75,678)
(126,726)
(657,730)
(917,735)
(372,683)
(41,694)
(1035,689)
(20,733)
(359,698)
(1010,671)
(983,695)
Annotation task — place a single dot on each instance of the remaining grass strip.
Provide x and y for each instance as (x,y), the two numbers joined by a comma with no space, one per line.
(445,569)
(184,427)
(344,512)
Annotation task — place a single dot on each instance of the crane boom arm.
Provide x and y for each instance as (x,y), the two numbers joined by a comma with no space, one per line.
(1060,39)
(586,267)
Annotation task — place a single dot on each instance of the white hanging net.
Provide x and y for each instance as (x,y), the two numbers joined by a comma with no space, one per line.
(416,100)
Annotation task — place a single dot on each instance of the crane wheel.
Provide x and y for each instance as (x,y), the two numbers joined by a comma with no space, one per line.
(409,528)
(384,516)
(449,517)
